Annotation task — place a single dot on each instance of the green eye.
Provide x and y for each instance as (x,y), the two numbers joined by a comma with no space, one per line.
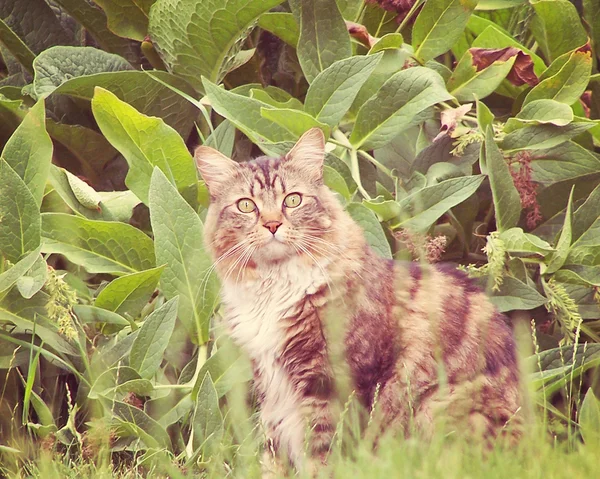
(246,205)
(292,200)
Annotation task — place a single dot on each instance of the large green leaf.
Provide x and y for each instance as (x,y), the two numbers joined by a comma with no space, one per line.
(334,89)
(323,38)
(565,80)
(145,142)
(507,202)
(371,227)
(564,242)
(152,340)
(29,151)
(98,246)
(196,39)
(228,367)
(439,25)
(589,419)
(536,137)
(396,106)
(12,274)
(517,241)
(135,422)
(566,161)
(128,294)
(556,27)
(245,113)
(295,121)
(33,280)
(118,381)
(76,71)
(587,214)
(16,46)
(516,295)
(178,241)
(127,18)
(281,24)
(422,208)
(207,426)
(541,112)
(468,84)
(19,216)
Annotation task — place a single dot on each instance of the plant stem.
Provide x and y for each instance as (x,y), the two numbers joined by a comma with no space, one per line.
(354,170)
(377,164)
(408,16)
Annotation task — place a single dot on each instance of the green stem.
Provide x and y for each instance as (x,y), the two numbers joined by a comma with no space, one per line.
(384,169)
(409,15)
(354,170)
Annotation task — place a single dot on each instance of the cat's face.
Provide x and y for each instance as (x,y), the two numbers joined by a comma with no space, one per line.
(269,209)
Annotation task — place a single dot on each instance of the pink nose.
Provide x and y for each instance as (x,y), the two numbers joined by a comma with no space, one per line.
(272,226)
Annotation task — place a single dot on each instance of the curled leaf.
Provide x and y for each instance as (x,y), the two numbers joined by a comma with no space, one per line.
(521,72)
(360,33)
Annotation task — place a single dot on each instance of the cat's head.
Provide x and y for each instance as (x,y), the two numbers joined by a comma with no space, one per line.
(269,209)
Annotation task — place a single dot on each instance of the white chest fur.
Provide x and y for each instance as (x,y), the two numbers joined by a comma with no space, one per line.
(254,311)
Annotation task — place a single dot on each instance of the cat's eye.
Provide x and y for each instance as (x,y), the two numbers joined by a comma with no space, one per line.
(246,205)
(292,200)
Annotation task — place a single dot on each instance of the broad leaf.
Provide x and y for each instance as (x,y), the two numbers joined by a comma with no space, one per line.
(118,381)
(397,105)
(127,18)
(145,142)
(178,240)
(98,246)
(334,89)
(128,294)
(439,25)
(91,314)
(152,340)
(540,112)
(12,274)
(16,46)
(371,227)
(281,24)
(536,137)
(33,280)
(567,161)
(228,367)
(323,38)
(516,295)
(564,242)
(295,121)
(422,208)
(507,202)
(19,216)
(207,425)
(587,214)
(29,151)
(589,419)
(135,422)
(205,34)
(517,241)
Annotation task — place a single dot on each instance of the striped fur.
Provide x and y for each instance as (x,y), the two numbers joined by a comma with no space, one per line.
(314,295)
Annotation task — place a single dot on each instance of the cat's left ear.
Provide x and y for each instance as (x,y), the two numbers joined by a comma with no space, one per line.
(216,169)
(309,153)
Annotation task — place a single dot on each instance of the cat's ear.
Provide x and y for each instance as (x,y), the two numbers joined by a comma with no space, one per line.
(216,169)
(309,152)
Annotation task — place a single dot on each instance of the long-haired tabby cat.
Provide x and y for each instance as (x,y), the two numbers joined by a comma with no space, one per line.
(302,291)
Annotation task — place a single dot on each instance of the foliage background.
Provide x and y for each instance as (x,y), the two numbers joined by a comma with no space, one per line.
(459,130)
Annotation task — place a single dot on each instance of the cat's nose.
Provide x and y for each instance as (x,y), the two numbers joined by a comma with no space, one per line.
(272,226)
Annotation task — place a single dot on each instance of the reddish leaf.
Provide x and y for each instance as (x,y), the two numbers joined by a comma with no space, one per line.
(358,31)
(520,74)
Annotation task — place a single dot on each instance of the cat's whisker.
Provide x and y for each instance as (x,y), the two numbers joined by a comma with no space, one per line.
(329,249)
(227,254)
(311,256)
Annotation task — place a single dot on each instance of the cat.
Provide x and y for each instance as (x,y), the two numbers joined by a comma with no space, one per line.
(302,292)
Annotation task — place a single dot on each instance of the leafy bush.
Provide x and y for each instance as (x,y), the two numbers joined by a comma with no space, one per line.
(458,131)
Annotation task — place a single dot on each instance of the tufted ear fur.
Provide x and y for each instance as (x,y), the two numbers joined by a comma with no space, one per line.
(309,153)
(216,169)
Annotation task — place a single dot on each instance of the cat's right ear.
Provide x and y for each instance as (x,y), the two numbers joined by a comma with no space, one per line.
(215,168)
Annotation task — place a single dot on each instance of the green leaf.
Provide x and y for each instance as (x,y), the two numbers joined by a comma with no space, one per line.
(336,182)
(127,18)
(152,340)
(228,366)
(468,84)
(485,117)
(245,113)
(384,209)
(536,137)
(91,314)
(507,202)
(516,295)
(565,80)
(397,105)
(223,138)
(128,294)
(589,419)
(135,422)
(12,274)
(98,246)
(323,38)
(178,240)
(16,46)
(564,242)
(117,381)
(29,151)
(19,216)
(556,27)
(567,161)
(204,36)
(540,112)
(94,21)
(295,121)
(334,89)
(587,214)
(145,143)
(373,231)
(592,19)
(76,71)
(33,280)
(282,25)
(422,208)
(517,241)
(439,25)
(390,41)
(207,425)
(579,274)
